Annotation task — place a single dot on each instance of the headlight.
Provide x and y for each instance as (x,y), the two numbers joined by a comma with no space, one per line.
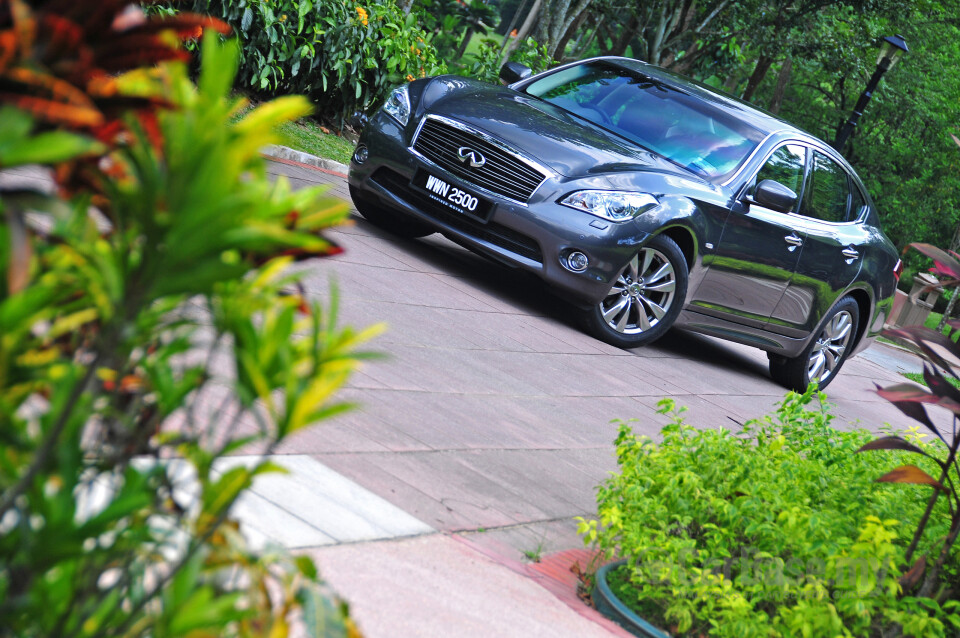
(617,206)
(397,105)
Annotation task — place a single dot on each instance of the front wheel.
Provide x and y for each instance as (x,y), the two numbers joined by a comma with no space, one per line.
(646,298)
(821,359)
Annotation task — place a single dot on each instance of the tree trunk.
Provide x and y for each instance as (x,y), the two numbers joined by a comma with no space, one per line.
(580,48)
(464,43)
(513,23)
(732,82)
(629,33)
(525,29)
(759,72)
(783,80)
(574,27)
(555,19)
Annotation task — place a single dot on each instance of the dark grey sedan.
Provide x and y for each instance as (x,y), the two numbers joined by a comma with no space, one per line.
(647,200)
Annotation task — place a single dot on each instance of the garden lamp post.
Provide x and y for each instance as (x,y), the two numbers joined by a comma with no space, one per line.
(890,51)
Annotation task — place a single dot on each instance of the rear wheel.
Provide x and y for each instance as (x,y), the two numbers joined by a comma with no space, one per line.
(393,221)
(646,298)
(822,358)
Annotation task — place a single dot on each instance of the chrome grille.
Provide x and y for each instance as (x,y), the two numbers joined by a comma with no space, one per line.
(503,173)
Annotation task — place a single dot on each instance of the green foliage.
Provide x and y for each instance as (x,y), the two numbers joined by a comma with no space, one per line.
(486,66)
(344,56)
(901,147)
(133,361)
(778,530)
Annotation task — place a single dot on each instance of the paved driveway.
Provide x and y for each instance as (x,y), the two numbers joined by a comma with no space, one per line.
(490,423)
(493,412)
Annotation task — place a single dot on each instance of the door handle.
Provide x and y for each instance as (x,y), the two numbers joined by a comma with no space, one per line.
(850,254)
(794,240)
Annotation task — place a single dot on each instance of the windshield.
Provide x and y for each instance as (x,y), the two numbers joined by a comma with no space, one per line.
(666,120)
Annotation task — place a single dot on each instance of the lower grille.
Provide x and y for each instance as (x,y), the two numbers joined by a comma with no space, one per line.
(490,232)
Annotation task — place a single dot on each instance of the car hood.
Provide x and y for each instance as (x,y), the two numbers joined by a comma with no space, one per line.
(569,145)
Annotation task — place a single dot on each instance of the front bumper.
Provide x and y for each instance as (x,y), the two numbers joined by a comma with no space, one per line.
(536,236)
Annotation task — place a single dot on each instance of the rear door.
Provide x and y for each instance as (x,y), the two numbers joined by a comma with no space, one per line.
(833,245)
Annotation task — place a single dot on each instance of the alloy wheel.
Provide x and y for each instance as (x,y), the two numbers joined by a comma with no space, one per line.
(828,350)
(642,295)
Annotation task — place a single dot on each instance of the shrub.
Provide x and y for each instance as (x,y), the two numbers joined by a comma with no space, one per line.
(344,56)
(779,530)
(109,395)
(486,66)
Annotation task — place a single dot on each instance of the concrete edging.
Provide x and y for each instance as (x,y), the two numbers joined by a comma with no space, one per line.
(287,153)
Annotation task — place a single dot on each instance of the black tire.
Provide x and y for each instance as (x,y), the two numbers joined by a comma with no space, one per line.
(826,352)
(390,220)
(646,298)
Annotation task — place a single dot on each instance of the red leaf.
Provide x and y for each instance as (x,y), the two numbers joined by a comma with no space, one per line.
(143,57)
(946,264)
(892,443)
(924,339)
(913,475)
(939,385)
(908,398)
(62,36)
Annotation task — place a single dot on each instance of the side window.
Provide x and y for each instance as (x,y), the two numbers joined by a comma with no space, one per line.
(856,201)
(826,194)
(785,166)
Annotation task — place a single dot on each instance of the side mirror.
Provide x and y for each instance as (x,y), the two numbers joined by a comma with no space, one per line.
(514,72)
(774,195)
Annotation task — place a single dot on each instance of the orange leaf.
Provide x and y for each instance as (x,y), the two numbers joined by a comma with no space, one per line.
(913,475)
(54,112)
(8,48)
(57,88)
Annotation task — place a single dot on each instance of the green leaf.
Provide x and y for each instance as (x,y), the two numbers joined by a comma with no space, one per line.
(52,147)
(247,20)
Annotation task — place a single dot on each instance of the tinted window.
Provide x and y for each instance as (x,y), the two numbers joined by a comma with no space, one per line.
(826,194)
(786,167)
(683,128)
(856,202)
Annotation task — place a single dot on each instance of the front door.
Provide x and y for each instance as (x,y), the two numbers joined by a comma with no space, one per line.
(758,250)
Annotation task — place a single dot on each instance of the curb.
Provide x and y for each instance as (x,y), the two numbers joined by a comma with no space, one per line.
(286,153)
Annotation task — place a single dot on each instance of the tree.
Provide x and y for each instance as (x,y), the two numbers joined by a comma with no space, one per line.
(556,19)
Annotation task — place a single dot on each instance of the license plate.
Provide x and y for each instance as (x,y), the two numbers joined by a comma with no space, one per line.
(454,197)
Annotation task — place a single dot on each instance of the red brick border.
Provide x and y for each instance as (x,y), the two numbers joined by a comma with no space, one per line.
(291,162)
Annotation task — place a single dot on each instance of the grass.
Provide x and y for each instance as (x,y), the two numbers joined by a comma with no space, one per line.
(307,136)
(916,377)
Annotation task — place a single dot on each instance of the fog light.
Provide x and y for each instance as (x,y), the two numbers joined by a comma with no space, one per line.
(361,154)
(577,261)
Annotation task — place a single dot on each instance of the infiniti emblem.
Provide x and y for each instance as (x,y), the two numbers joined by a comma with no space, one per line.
(471,157)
